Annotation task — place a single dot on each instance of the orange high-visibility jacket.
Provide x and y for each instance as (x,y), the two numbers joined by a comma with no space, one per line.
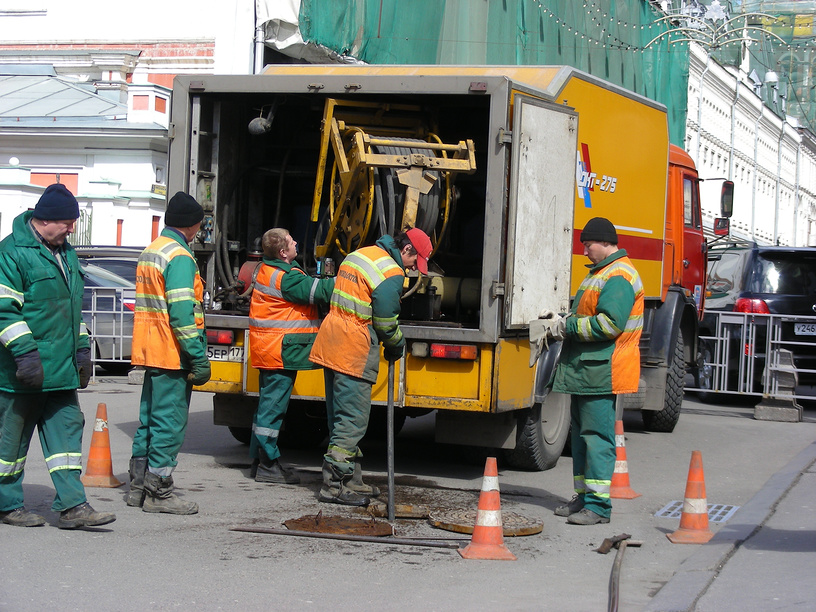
(168,323)
(365,309)
(601,352)
(281,332)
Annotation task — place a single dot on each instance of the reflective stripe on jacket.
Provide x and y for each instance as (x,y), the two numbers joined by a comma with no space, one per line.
(601,353)
(168,323)
(281,332)
(40,308)
(364,310)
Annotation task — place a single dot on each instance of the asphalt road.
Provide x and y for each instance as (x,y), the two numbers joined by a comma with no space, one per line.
(159,562)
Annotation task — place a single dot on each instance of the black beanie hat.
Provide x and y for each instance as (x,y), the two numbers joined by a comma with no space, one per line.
(183,211)
(601,230)
(56,204)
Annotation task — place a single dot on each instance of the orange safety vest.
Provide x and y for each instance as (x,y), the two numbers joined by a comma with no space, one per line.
(625,362)
(155,342)
(280,332)
(344,342)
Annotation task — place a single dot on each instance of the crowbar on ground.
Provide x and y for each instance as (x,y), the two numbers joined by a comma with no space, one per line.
(352,538)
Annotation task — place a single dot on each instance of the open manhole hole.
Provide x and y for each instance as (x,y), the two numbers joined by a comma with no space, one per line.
(717,513)
(319,523)
(462,521)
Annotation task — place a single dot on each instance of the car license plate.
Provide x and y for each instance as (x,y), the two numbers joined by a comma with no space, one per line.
(804,329)
(225,353)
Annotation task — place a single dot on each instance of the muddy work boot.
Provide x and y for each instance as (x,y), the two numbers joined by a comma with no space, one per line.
(84,515)
(585,516)
(335,491)
(275,472)
(571,507)
(159,496)
(136,471)
(357,485)
(20,517)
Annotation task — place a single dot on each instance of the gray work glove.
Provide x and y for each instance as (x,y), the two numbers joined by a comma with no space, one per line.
(200,372)
(84,366)
(30,369)
(558,329)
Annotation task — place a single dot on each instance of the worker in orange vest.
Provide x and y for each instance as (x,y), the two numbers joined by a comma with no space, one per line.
(365,308)
(283,322)
(170,342)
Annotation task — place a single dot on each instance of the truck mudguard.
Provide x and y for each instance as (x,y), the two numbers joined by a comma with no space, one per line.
(662,324)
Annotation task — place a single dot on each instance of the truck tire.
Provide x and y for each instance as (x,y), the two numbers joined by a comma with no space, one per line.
(666,419)
(542,433)
(242,434)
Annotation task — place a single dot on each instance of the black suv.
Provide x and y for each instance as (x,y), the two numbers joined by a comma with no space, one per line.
(748,278)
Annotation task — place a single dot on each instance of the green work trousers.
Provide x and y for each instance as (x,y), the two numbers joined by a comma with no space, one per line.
(163,413)
(593,450)
(348,406)
(275,389)
(59,422)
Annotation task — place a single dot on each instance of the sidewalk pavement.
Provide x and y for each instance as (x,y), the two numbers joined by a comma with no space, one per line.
(764,558)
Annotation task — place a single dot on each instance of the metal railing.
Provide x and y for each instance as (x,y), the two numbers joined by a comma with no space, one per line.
(757,354)
(108,315)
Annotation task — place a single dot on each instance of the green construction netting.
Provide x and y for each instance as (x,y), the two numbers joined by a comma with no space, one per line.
(606,38)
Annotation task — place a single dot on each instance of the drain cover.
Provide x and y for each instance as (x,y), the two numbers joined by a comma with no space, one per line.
(317,523)
(462,521)
(717,513)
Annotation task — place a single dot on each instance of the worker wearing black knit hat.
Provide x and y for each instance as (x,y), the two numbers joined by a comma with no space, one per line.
(600,358)
(45,356)
(169,342)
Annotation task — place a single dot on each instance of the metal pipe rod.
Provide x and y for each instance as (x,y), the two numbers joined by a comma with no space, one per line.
(390,428)
(349,537)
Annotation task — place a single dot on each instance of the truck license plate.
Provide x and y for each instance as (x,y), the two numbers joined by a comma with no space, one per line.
(804,329)
(225,353)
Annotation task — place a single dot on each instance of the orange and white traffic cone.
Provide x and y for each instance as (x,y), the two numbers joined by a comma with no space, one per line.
(694,519)
(620,488)
(99,471)
(487,541)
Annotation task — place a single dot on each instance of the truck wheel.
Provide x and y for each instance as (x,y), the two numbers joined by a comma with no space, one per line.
(666,419)
(542,434)
(242,434)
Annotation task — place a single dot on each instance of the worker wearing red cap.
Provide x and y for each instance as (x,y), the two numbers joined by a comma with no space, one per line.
(364,312)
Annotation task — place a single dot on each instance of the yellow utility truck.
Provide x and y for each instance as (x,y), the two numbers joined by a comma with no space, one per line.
(502,167)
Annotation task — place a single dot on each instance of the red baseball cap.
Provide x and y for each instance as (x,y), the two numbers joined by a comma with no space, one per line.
(422,245)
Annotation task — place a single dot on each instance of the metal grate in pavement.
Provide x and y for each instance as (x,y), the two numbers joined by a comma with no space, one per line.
(717,513)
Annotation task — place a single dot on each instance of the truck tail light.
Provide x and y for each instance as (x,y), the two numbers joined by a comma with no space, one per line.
(453,351)
(751,305)
(220,336)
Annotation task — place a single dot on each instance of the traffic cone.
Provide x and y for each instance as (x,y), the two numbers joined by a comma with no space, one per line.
(487,541)
(694,519)
(99,471)
(620,488)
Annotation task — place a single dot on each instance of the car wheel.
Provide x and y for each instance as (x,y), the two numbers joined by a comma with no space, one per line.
(704,373)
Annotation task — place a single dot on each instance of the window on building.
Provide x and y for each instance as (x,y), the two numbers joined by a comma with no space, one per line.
(141,103)
(119,226)
(44,179)
(154,230)
(161,105)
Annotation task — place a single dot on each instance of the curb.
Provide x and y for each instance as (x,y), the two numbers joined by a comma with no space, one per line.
(695,575)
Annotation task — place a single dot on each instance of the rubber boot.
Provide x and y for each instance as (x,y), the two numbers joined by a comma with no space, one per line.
(335,491)
(136,471)
(159,496)
(357,485)
(274,471)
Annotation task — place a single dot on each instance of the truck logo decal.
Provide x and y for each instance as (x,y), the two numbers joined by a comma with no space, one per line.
(587,180)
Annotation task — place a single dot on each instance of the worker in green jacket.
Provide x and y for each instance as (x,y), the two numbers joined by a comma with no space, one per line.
(600,358)
(44,356)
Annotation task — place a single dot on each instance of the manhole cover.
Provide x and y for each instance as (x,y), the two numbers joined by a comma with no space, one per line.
(462,521)
(317,523)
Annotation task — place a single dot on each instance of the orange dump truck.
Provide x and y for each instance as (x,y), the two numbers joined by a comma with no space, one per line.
(501,166)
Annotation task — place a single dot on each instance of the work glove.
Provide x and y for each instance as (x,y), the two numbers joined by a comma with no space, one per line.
(558,329)
(394,353)
(200,372)
(84,366)
(30,369)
